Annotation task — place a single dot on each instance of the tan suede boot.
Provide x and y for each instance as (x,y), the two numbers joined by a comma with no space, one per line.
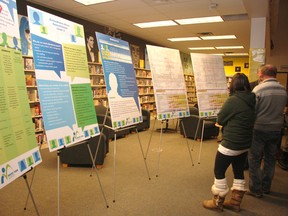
(215,204)
(235,201)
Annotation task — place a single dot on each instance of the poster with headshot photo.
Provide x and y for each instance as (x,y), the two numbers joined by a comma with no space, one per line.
(91,47)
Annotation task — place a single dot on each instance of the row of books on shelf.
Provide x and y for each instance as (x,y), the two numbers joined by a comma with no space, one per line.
(143,73)
(30,80)
(144,82)
(97,80)
(103,102)
(99,92)
(33,95)
(96,69)
(145,99)
(38,123)
(190,89)
(145,90)
(188,78)
(149,106)
(35,110)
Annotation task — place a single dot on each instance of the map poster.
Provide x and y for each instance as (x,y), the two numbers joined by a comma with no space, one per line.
(210,83)
(19,151)
(62,77)
(168,82)
(120,79)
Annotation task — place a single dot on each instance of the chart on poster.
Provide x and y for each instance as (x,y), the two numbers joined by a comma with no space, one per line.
(120,79)
(19,151)
(210,83)
(63,81)
(168,82)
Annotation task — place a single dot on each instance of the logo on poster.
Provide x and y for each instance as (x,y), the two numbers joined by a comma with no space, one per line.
(7,173)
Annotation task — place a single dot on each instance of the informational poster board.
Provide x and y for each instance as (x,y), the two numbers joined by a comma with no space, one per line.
(256,59)
(120,79)
(25,36)
(210,83)
(19,151)
(168,82)
(62,78)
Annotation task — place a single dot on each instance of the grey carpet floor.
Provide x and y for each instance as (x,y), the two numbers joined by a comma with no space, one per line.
(175,188)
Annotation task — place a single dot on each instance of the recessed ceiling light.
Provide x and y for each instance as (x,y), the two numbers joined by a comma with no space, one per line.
(199,20)
(201,48)
(219,37)
(184,39)
(230,47)
(156,24)
(90,2)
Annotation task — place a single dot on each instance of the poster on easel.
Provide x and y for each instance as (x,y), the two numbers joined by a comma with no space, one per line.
(62,77)
(120,79)
(210,83)
(168,82)
(19,151)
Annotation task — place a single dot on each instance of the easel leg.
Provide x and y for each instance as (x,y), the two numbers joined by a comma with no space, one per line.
(150,140)
(159,149)
(58,172)
(30,186)
(201,141)
(30,192)
(187,143)
(115,137)
(143,154)
(94,166)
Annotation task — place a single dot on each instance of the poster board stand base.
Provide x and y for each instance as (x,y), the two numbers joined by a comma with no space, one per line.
(115,150)
(159,149)
(30,193)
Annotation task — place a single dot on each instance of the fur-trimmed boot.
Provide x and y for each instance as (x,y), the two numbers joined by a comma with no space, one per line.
(238,191)
(219,191)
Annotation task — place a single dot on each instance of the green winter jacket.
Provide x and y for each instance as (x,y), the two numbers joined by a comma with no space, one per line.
(237,117)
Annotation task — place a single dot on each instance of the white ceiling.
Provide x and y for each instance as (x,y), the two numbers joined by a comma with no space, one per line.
(121,14)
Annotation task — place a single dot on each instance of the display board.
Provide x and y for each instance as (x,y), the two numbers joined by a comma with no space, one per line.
(19,151)
(120,79)
(62,78)
(168,82)
(210,81)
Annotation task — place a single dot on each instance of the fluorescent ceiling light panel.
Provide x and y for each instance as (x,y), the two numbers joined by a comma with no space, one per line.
(230,47)
(201,48)
(156,24)
(199,20)
(236,54)
(219,37)
(90,2)
(184,39)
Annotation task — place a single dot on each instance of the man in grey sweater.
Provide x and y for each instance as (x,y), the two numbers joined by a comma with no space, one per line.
(271,99)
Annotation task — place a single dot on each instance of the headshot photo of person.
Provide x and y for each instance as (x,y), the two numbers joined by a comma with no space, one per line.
(92,54)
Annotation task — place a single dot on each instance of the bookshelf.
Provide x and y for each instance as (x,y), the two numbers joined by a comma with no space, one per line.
(98,84)
(190,88)
(145,88)
(33,98)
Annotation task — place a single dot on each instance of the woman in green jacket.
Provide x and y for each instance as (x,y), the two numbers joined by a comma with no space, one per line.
(237,117)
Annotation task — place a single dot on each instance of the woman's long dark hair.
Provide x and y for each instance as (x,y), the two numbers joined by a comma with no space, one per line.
(239,82)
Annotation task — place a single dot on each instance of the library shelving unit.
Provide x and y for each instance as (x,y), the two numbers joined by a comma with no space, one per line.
(191,89)
(145,88)
(98,84)
(33,98)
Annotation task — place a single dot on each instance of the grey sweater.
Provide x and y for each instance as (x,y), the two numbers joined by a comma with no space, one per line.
(271,99)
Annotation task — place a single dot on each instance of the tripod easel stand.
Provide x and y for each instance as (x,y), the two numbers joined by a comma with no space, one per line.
(160,144)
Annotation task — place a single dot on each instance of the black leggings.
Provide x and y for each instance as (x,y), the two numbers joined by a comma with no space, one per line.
(222,162)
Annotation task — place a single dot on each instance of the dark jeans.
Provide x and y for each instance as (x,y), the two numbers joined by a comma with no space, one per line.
(222,162)
(264,146)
